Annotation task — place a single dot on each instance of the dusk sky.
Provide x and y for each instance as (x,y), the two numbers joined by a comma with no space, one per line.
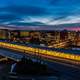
(47,12)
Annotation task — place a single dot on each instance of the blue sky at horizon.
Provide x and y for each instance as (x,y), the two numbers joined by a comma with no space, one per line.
(47,12)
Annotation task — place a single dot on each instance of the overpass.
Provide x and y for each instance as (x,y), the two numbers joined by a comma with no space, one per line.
(65,66)
(21,48)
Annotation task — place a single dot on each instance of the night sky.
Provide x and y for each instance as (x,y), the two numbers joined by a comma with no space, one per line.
(39,12)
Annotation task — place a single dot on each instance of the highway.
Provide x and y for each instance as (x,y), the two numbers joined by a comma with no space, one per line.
(69,68)
(60,44)
(53,53)
(68,71)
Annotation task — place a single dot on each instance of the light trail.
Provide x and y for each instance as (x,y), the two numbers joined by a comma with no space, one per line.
(40,51)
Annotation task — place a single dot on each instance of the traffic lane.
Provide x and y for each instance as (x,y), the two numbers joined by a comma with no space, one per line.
(75,64)
(41,51)
(10,54)
(58,59)
(17,55)
(68,71)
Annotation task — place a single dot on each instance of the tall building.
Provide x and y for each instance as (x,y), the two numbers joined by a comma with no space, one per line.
(3,34)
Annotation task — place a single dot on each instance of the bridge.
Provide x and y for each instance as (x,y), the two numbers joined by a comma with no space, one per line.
(66,63)
(26,49)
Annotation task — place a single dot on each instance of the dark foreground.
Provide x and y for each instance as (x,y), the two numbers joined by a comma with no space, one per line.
(28,71)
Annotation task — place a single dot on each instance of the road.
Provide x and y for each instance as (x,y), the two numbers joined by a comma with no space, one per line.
(42,51)
(68,70)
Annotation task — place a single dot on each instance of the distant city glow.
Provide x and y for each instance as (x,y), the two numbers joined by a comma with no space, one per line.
(73,29)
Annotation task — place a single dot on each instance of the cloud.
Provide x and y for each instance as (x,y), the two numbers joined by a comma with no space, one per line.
(51,21)
(39,12)
(30,21)
(36,19)
(67,20)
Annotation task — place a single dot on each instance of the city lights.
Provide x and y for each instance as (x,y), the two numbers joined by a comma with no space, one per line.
(27,49)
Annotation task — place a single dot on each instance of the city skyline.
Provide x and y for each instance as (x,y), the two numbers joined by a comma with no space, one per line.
(39,39)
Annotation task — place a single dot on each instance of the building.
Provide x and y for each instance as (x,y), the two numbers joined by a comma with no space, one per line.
(46,37)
